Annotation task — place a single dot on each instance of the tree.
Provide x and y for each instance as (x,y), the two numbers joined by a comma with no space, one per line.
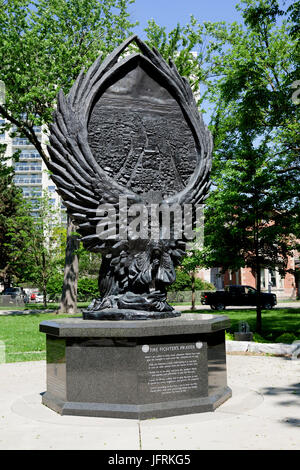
(89,262)
(252,217)
(10,200)
(69,290)
(189,265)
(245,72)
(44,45)
(184,282)
(196,49)
(34,243)
(78,262)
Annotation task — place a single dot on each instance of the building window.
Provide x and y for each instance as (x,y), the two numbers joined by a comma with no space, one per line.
(25,179)
(25,166)
(2,133)
(20,141)
(250,290)
(272,278)
(274,281)
(30,192)
(263,278)
(29,154)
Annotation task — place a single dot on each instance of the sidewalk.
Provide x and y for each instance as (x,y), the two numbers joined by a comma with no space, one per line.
(263,413)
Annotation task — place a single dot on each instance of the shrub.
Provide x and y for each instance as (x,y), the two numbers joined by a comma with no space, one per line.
(259,339)
(87,289)
(287,338)
(184,282)
(55,285)
(229,336)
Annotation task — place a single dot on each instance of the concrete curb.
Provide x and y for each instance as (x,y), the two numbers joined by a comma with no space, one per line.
(277,349)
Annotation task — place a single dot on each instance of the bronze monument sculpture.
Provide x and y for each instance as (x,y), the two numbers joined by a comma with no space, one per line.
(131,158)
(129,132)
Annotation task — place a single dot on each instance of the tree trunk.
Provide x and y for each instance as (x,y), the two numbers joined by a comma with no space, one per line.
(193,291)
(44,287)
(258,276)
(45,296)
(68,302)
(258,307)
(7,282)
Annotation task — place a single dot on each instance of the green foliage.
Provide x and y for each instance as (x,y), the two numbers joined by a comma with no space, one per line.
(55,285)
(22,338)
(276,322)
(257,338)
(51,41)
(252,216)
(34,243)
(44,44)
(89,263)
(195,48)
(87,289)
(184,282)
(10,202)
(253,207)
(286,338)
(191,261)
(229,336)
(245,71)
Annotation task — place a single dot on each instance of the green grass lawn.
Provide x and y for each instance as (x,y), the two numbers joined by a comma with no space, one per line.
(24,342)
(274,323)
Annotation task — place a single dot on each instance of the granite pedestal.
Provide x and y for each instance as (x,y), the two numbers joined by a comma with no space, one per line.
(136,369)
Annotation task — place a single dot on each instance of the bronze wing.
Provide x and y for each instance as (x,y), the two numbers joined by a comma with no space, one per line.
(80,180)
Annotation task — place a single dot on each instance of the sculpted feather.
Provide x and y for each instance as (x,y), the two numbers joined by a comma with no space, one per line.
(85,183)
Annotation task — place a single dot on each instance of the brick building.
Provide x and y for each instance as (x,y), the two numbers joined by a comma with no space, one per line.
(287,287)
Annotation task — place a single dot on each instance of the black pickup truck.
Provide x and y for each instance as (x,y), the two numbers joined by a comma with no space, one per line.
(238,296)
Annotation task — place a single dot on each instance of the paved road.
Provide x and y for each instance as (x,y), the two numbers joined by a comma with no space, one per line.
(292,304)
(263,413)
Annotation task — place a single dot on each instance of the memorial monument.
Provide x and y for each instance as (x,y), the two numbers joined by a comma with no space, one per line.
(131,158)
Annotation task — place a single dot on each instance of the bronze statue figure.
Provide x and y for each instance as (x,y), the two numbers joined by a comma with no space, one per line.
(129,130)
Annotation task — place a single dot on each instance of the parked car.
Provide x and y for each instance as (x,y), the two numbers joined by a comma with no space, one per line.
(238,296)
(39,297)
(36,296)
(16,294)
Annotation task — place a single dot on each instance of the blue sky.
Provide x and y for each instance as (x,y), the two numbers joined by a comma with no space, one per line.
(170,12)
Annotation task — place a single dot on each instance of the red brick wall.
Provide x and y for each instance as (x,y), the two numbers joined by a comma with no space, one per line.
(247,277)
